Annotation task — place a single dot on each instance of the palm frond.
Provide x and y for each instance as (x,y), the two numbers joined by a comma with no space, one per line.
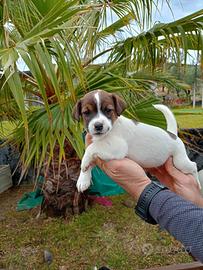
(142,110)
(58,40)
(161,42)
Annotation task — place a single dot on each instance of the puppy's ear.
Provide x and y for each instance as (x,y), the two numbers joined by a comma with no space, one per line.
(77,110)
(119,103)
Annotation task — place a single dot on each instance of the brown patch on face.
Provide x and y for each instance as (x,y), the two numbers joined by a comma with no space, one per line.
(84,107)
(88,107)
(111,105)
(108,106)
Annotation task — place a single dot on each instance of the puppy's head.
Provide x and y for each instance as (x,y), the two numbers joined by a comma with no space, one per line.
(99,111)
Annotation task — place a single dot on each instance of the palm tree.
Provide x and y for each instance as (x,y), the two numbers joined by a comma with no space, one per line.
(60,43)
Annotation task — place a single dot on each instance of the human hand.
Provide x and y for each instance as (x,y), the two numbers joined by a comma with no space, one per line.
(184,185)
(126,173)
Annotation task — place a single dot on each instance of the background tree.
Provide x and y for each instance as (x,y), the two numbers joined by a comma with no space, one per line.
(60,42)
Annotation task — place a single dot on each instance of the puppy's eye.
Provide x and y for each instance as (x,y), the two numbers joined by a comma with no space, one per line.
(108,110)
(86,113)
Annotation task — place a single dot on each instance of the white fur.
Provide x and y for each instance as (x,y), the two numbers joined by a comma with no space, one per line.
(147,145)
(170,119)
(98,101)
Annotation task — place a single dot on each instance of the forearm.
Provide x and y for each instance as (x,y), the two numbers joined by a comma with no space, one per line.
(180,218)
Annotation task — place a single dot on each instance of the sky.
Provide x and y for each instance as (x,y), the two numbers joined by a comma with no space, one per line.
(180,8)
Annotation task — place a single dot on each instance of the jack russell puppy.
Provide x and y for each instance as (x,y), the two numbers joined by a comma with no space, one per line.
(115,137)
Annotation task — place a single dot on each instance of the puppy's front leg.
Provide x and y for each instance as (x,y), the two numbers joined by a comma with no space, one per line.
(102,151)
(90,154)
(116,150)
(93,151)
(84,180)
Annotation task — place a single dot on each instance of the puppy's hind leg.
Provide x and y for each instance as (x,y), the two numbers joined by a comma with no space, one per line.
(183,163)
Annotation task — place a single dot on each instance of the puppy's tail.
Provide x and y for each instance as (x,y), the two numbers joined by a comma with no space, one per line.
(170,118)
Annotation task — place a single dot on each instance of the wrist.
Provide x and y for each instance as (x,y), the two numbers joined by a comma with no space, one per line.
(199,201)
(140,187)
(145,199)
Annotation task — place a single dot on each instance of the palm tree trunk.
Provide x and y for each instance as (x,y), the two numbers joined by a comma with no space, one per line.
(60,192)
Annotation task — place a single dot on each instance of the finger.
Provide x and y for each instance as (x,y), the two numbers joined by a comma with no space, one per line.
(169,166)
(169,162)
(160,170)
(88,139)
(160,174)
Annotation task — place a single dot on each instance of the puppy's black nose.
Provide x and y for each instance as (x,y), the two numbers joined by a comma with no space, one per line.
(98,126)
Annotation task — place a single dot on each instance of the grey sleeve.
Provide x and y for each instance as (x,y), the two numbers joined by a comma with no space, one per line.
(180,218)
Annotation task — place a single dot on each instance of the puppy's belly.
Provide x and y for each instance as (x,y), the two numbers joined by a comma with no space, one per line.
(150,155)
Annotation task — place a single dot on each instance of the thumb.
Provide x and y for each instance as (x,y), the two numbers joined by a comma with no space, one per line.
(169,166)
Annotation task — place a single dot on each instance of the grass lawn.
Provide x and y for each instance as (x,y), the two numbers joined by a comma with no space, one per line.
(189,118)
(112,236)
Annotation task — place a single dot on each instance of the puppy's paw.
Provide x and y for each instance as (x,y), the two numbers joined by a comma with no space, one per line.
(82,185)
(83,182)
